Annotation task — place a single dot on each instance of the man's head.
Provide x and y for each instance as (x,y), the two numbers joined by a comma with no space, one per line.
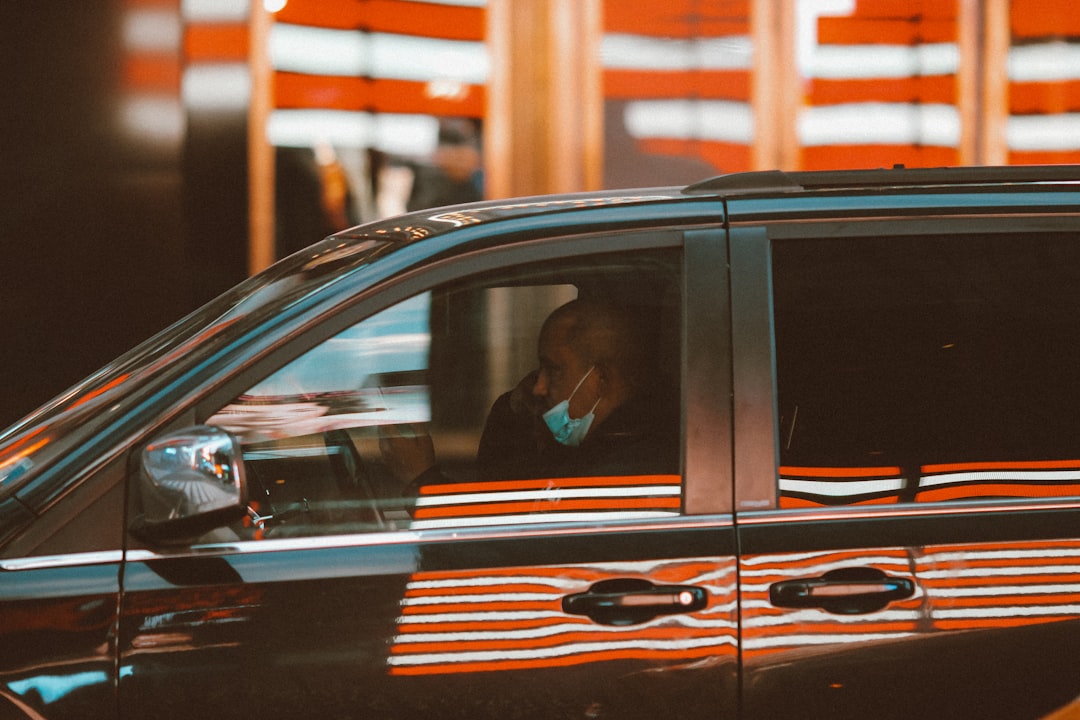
(592,343)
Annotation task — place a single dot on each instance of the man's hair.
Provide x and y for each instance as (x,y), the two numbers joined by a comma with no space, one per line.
(603,333)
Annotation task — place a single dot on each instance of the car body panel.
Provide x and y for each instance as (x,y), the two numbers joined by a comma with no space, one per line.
(779,595)
(426,629)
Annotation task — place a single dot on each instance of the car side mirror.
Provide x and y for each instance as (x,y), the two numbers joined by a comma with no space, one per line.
(189,483)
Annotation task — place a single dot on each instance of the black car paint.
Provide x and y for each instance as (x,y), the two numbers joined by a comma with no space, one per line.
(229,631)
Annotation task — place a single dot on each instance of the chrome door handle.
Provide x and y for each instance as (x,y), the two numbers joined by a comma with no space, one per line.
(628,601)
(847,591)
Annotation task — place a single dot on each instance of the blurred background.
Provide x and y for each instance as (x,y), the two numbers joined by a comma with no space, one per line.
(155,152)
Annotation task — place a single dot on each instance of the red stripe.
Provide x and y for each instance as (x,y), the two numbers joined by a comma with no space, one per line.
(216,43)
(839,472)
(839,157)
(1044,98)
(924,89)
(928,9)
(152,73)
(448,22)
(885,31)
(566,660)
(1044,18)
(297,90)
(1044,157)
(981,490)
(1005,465)
(788,502)
(701,84)
(677,18)
(550,483)
(542,506)
(104,389)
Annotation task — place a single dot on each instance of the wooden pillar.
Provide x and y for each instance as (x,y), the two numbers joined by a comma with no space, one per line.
(544,123)
(983,81)
(994,143)
(261,246)
(776,96)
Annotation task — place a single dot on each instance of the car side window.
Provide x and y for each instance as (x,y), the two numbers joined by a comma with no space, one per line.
(431,412)
(927,369)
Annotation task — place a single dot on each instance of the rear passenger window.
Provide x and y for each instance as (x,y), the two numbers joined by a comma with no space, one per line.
(927,369)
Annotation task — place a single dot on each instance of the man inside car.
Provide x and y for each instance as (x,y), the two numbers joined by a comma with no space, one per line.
(592,408)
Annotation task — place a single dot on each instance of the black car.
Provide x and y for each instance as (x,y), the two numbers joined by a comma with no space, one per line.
(870,506)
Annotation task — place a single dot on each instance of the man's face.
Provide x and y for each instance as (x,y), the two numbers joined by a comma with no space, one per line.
(560,371)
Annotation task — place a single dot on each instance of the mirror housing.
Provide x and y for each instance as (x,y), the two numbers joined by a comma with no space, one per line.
(189,483)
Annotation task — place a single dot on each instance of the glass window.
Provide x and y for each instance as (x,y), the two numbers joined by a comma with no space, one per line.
(926,369)
(434,412)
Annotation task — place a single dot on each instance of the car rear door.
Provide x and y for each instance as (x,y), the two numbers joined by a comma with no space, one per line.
(908,483)
(609,595)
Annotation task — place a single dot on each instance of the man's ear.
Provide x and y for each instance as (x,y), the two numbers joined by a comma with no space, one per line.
(603,373)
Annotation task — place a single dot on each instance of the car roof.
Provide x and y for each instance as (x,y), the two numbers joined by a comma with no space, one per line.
(706,200)
(772,182)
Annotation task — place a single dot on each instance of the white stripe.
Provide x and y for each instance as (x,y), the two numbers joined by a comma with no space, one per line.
(1051,61)
(782,564)
(880,123)
(637,52)
(486,598)
(801,640)
(494,581)
(1005,612)
(216,11)
(1012,554)
(545,632)
(1008,571)
(1044,132)
(808,617)
(561,651)
(459,3)
(391,133)
(552,495)
(993,475)
(457,617)
(690,120)
(537,518)
(216,86)
(318,51)
(156,118)
(841,488)
(350,53)
(998,590)
(151,31)
(849,62)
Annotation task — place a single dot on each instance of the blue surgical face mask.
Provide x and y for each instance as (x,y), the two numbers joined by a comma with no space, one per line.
(567,430)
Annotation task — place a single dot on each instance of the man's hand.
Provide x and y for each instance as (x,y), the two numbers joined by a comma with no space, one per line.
(522,400)
(406,451)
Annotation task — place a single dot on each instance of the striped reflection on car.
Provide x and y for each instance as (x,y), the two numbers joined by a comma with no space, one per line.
(959,587)
(548,500)
(512,619)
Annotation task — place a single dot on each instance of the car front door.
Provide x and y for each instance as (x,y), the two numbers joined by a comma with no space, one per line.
(909,477)
(59,590)
(346,594)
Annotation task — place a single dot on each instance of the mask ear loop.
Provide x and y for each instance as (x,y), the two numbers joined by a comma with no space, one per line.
(574,392)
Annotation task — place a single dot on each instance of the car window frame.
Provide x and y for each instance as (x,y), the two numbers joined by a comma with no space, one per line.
(757,423)
(706,461)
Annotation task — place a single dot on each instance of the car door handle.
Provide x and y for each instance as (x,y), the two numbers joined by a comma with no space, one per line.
(846,591)
(628,601)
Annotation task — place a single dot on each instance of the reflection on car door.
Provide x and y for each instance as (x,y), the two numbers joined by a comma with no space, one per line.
(911,372)
(535,597)
(481,629)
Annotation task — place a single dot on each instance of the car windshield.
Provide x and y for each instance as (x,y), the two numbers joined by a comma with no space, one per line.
(32,443)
